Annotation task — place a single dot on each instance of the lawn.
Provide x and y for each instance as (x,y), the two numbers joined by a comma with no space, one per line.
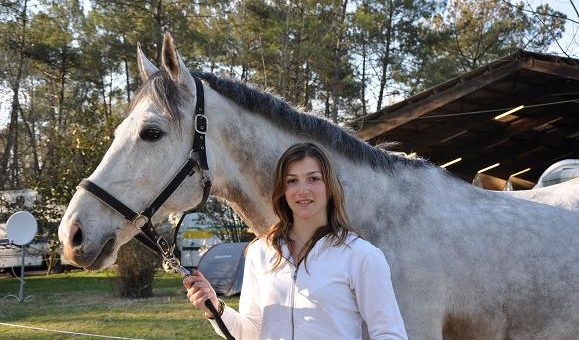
(84,302)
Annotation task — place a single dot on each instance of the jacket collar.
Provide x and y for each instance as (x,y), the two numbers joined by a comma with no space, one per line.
(321,245)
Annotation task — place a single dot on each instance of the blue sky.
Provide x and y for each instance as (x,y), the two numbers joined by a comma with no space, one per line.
(570,40)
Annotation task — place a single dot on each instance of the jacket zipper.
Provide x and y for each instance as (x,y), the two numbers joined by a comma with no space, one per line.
(293,288)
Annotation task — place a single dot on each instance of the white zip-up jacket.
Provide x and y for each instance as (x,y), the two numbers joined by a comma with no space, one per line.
(342,287)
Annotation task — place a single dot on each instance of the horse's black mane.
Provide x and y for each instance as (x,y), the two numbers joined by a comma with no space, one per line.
(287,118)
(281,114)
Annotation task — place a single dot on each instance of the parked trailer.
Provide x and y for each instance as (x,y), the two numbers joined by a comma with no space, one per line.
(11,257)
(194,239)
(36,255)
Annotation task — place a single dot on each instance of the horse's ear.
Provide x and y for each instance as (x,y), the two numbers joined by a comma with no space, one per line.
(146,68)
(173,63)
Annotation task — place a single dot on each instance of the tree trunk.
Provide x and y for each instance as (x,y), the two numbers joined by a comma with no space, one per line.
(110,110)
(386,57)
(30,125)
(244,72)
(11,147)
(127,74)
(307,71)
(262,62)
(104,92)
(158,5)
(327,104)
(57,119)
(283,74)
(338,53)
(363,90)
(61,92)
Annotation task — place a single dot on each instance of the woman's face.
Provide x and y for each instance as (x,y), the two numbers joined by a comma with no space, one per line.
(305,191)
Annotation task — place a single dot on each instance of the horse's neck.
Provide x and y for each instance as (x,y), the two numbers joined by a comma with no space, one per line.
(243,149)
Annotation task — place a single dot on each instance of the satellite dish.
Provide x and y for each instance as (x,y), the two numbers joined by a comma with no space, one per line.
(21,228)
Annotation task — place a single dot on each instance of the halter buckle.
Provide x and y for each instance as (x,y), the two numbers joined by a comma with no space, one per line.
(200,125)
(163,245)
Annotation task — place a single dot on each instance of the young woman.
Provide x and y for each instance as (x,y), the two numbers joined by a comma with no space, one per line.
(311,276)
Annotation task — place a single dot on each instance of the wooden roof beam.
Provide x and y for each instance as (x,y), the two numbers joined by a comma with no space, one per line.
(557,69)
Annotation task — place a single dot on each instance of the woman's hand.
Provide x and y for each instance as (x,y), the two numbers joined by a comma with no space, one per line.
(199,290)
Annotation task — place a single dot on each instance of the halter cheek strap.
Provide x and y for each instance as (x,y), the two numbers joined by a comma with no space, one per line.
(200,125)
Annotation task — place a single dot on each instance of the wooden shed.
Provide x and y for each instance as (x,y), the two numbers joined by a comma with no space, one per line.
(462,123)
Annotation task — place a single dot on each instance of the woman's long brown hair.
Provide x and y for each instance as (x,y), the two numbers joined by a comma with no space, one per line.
(338,222)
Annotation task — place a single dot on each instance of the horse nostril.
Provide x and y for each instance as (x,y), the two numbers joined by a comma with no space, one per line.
(77,239)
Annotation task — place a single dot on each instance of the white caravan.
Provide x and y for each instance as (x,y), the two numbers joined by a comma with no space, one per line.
(194,238)
(11,255)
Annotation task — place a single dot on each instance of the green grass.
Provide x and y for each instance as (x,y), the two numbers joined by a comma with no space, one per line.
(84,302)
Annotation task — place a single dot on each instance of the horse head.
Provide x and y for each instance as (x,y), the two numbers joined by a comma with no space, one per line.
(148,149)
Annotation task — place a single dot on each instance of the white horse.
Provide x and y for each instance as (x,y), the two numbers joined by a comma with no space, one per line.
(466,263)
(565,195)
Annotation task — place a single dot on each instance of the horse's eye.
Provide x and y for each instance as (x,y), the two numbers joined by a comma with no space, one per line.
(151,134)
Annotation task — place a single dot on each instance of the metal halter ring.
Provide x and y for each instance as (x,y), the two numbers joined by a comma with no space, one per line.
(140,217)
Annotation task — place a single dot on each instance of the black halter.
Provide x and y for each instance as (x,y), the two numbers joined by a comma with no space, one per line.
(148,236)
(197,159)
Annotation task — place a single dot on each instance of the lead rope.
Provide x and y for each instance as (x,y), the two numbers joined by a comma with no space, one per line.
(160,246)
(174,263)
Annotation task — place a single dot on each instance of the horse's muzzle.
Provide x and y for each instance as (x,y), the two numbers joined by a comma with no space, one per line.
(85,254)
